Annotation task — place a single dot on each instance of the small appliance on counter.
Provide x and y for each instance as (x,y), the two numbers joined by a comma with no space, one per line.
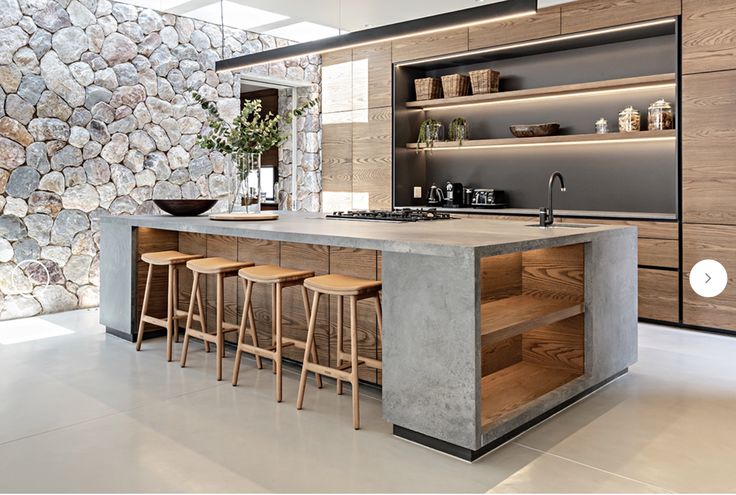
(489,198)
(435,197)
(453,195)
(398,215)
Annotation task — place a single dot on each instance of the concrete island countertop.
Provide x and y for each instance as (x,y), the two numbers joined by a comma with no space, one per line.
(483,237)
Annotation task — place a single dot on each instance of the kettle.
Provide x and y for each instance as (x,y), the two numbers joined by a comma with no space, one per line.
(435,196)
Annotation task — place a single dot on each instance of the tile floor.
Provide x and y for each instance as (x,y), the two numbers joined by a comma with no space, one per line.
(81,411)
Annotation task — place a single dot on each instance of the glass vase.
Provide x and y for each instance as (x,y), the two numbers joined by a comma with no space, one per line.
(245,183)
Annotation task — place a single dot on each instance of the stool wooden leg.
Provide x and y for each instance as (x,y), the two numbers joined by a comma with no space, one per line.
(305,300)
(307,347)
(278,359)
(254,334)
(202,315)
(176,303)
(190,316)
(379,316)
(170,314)
(273,323)
(248,287)
(354,360)
(220,315)
(340,347)
(144,308)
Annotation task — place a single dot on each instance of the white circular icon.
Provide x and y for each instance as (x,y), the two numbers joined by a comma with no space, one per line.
(708,278)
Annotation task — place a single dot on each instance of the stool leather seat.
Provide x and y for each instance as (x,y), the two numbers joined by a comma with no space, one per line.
(215,265)
(273,274)
(162,258)
(342,285)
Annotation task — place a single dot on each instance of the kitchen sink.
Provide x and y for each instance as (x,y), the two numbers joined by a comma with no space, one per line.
(563,226)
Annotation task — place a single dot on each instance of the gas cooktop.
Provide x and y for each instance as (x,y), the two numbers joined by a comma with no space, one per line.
(402,215)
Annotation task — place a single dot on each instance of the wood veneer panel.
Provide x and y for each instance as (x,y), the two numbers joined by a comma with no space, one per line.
(357,263)
(260,252)
(709,147)
(659,295)
(316,258)
(372,160)
(190,243)
(372,76)
(717,242)
(593,14)
(708,35)
(560,345)
(430,45)
(152,240)
(337,158)
(546,22)
(226,247)
(646,229)
(659,252)
(500,276)
(554,273)
(337,77)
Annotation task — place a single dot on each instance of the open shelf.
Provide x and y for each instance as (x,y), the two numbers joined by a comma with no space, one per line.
(511,388)
(511,316)
(627,84)
(613,137)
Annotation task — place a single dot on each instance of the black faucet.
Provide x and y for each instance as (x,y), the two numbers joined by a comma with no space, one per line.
(546,215)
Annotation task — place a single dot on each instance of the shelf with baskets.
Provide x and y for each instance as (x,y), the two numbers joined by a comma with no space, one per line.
(668,136)
(611,85)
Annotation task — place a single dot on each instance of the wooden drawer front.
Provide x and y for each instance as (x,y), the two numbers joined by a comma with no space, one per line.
(709,148)
(593,14)
(542,25)
(708,35)
(717,242)
(649,230)
(430,45)
(659,252)
(658,295)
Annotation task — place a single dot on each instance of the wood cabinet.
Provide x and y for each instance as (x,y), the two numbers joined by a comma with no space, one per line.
(337,81)
(663,253)
(659,295)
(709,148)
(337,160)
(430,45)
(717,242)
(372,76)
(543,24)
(594,14)
(372,159)
(708,35)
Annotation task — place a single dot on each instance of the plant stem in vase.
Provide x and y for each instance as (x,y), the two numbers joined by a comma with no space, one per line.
(245,182)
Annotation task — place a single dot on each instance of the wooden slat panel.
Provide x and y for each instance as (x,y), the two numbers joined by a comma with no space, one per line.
(659,252)
(430,45)
(658,295)
(709,148)
(226,247)
(191,243)
(358,263)
(151,240)
(708,35)
(560,345)
(372,160)
(593,14)
(317,259)
(546,22)
(372,76)
(554,273)
(337,76)
(260,252)
(717,242)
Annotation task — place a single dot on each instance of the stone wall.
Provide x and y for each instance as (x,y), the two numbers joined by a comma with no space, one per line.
(96,118)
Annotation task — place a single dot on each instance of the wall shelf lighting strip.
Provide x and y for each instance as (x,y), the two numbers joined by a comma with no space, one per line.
(425,25)
(562,143)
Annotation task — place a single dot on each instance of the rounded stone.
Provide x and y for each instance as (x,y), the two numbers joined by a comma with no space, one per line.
(78,137)
(26,249)
(12,129)
(44,202)
(23,181)
(82,73)
(55,298)
(68,156)
(59,78)
(15,206)
(19,109)
(53,182)
(117,48)
(47,129)
(39,227)
(12,228)
(123,179)
(12,153)
(115,150)
(66,226)
(52,105)
(98,171)
(6,251)
(69,43)
(52,17)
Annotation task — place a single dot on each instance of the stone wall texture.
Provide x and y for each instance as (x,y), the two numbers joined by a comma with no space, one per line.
(96,118)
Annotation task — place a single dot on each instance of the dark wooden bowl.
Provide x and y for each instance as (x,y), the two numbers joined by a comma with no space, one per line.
(535,130)
(185,207)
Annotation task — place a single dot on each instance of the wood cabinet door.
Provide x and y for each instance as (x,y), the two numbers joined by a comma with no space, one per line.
(372,159)
(709,147)
(594,14)
(708,35)
(337,81)
(716,242)
(543,24)
(658,295)
(430,45)
(372,76)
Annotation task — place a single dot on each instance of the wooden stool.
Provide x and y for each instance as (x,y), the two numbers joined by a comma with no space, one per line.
(278,278)
(172,259)
(222,268)
(356,289)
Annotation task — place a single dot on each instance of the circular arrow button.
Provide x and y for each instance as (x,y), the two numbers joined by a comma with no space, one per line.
(708,278)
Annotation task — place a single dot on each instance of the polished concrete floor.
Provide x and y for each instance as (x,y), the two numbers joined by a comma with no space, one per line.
(81,411)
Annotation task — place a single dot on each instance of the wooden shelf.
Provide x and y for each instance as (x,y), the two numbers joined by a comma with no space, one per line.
(511,316)
(507,390)
(613,137)
(628,83)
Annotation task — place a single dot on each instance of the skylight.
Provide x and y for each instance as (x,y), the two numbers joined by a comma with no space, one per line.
(304,31)
(236,15)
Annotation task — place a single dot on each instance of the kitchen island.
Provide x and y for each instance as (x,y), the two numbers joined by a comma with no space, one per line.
(488,326)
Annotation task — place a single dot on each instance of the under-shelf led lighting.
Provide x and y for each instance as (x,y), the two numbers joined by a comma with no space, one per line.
(566,143)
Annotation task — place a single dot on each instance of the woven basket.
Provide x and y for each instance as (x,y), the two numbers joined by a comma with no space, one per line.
(455,85)
(484,81)
(428,88)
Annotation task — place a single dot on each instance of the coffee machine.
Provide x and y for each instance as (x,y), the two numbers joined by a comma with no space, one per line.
(453,195)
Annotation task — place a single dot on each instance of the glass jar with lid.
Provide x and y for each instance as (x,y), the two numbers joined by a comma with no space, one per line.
(601,126)
(660,116)
(629,120)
